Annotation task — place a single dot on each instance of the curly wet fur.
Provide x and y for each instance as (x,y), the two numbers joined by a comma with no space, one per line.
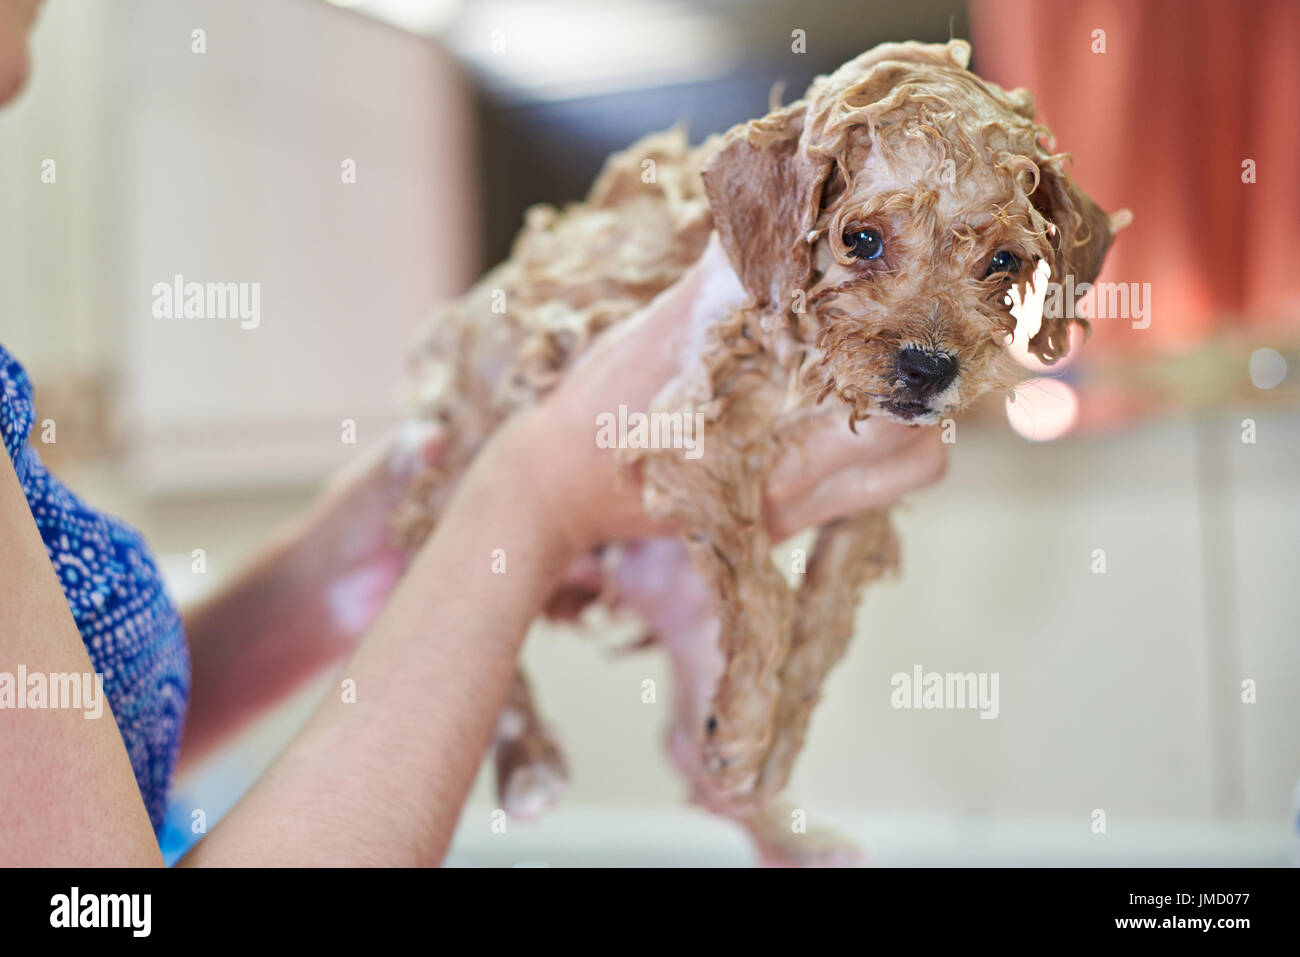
(904,140)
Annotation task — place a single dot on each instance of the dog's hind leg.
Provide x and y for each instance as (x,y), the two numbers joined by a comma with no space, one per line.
(530,768)
(658,581)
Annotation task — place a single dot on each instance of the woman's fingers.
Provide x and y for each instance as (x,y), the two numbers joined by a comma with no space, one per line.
(414,447)
(864,485)
(822,444)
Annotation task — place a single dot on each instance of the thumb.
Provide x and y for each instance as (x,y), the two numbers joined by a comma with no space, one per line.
(667,335)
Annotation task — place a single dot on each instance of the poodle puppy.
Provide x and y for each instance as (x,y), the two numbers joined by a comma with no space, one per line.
(877,226)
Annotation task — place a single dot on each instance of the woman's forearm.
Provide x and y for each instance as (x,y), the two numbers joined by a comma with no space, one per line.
(262,635)
(68,797)
(304,601)
(381,779)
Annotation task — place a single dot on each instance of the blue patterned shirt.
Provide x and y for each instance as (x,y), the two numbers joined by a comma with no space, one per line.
(127,621)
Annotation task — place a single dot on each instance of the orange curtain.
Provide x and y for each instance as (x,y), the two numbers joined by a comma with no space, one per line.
(1161,123)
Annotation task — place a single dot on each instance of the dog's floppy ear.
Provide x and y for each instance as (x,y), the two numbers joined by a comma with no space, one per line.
(765,195)
(765,184)
(1081,238)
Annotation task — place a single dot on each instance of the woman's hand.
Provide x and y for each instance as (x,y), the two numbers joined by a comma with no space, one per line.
(827,471)
(343,554)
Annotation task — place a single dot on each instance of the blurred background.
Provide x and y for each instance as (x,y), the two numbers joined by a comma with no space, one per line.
(1172,446)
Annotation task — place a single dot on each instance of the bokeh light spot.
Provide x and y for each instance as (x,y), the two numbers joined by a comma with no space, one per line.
(1267,368)
(1043,409)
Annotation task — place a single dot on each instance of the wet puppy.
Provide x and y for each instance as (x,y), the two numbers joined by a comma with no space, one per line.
(877,226)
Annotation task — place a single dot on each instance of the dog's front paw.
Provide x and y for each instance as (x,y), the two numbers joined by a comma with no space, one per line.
(531,790)
(531,771)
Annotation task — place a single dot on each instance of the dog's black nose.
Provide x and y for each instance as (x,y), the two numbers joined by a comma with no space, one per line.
(925,373)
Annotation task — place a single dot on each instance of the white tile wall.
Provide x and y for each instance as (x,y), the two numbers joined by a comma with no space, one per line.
(225,166)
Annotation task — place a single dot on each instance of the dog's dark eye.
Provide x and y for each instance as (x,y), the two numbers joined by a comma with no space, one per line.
(1003,261)
(864,243)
